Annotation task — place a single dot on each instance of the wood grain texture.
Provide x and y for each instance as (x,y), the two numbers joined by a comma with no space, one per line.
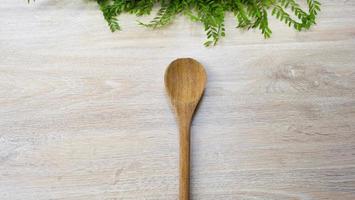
(84,115)
(185,80)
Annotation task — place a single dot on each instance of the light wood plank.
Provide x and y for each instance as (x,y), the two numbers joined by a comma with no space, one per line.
(83,112)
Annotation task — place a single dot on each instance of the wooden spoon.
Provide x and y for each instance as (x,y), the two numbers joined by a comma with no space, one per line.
(185,80)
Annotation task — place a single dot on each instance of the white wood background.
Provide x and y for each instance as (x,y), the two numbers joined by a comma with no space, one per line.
(83,112)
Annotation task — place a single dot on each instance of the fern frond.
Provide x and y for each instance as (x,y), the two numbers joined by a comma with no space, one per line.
(249,14)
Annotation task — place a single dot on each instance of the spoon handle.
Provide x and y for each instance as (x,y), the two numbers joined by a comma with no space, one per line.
(184,161)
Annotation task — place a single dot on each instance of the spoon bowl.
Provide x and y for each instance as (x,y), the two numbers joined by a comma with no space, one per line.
(185,80)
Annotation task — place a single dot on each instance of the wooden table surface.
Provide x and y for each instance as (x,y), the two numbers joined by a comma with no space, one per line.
(84,115)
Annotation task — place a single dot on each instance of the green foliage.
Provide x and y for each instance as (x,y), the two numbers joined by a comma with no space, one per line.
(249,14)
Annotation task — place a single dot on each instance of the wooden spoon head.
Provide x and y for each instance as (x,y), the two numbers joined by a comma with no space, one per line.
(185,80)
